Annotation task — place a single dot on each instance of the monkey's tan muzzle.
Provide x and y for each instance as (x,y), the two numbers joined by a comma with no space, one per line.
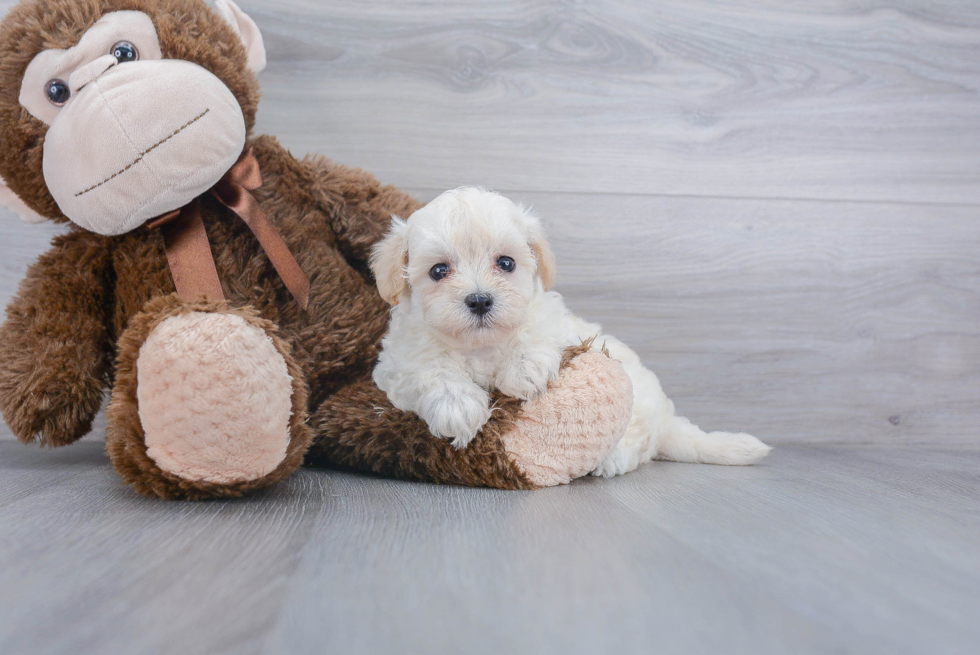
(138,140)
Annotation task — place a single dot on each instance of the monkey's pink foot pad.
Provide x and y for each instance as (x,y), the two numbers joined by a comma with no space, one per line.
(214,398)
(565,433)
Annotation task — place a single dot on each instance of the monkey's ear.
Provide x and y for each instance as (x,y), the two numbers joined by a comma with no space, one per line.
(11,201)
(246,28)
(389,257)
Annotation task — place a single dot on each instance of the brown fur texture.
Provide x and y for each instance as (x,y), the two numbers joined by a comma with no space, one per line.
(124,434)
(56,354)
(75,327)
(397,444)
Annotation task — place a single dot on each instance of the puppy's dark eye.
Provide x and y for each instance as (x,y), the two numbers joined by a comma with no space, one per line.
(506,264)
(439,271)
(57,92)
(124,52)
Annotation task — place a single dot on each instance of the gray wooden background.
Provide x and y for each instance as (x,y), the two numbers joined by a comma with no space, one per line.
(777,203)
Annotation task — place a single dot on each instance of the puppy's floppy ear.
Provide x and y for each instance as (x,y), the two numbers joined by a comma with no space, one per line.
(389,257)
(247,30)
(539,245)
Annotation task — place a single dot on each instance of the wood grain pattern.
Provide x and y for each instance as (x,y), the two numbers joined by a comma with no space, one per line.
(858,100)
(820,549)
(797,321)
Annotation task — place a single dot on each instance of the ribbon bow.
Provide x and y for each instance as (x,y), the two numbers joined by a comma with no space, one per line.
(189,251)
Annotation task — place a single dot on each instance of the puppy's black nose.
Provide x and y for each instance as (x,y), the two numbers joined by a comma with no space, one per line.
(479,303)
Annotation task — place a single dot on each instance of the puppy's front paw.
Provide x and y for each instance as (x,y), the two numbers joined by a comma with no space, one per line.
(457,414)
(528,375)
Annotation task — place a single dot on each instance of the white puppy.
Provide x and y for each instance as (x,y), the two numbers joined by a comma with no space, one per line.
(469,277)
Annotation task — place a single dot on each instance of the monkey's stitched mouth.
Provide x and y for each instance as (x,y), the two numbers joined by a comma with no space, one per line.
(144,153)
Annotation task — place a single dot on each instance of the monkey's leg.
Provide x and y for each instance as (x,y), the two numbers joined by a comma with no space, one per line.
(561,435)
(207,402)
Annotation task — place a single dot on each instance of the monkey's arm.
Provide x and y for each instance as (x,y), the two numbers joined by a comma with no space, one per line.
(354,206)
(55,349)
(358,207)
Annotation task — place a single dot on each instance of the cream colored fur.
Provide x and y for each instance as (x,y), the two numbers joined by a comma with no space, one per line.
(214,398)
(440,360)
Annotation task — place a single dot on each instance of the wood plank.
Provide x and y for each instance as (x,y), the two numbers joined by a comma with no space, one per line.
(834,100)
(124,573)
(820,549)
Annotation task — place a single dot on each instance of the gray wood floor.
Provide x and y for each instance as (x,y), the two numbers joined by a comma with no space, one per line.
(777,204)
(823,549)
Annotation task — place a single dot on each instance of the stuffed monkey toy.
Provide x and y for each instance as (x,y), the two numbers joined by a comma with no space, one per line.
(217,285)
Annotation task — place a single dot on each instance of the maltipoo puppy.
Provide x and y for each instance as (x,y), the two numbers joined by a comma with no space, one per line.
(469,277)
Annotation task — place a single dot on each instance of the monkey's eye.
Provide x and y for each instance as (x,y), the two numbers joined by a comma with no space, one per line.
(439,272)
(57,92)
(124,52)
(506,264)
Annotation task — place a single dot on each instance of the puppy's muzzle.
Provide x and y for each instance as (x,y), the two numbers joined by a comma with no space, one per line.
(479,303)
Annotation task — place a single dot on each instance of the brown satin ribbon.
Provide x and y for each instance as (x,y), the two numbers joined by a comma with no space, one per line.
(189,252)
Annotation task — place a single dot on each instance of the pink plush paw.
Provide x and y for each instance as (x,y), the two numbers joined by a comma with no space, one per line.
(214,398)
(566,432)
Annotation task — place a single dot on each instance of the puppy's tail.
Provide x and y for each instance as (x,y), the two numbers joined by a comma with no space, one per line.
(683,441)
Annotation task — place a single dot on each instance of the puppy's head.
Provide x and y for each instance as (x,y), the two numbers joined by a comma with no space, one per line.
(471,261)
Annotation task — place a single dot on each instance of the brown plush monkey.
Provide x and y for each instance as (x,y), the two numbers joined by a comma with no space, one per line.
(124,115)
